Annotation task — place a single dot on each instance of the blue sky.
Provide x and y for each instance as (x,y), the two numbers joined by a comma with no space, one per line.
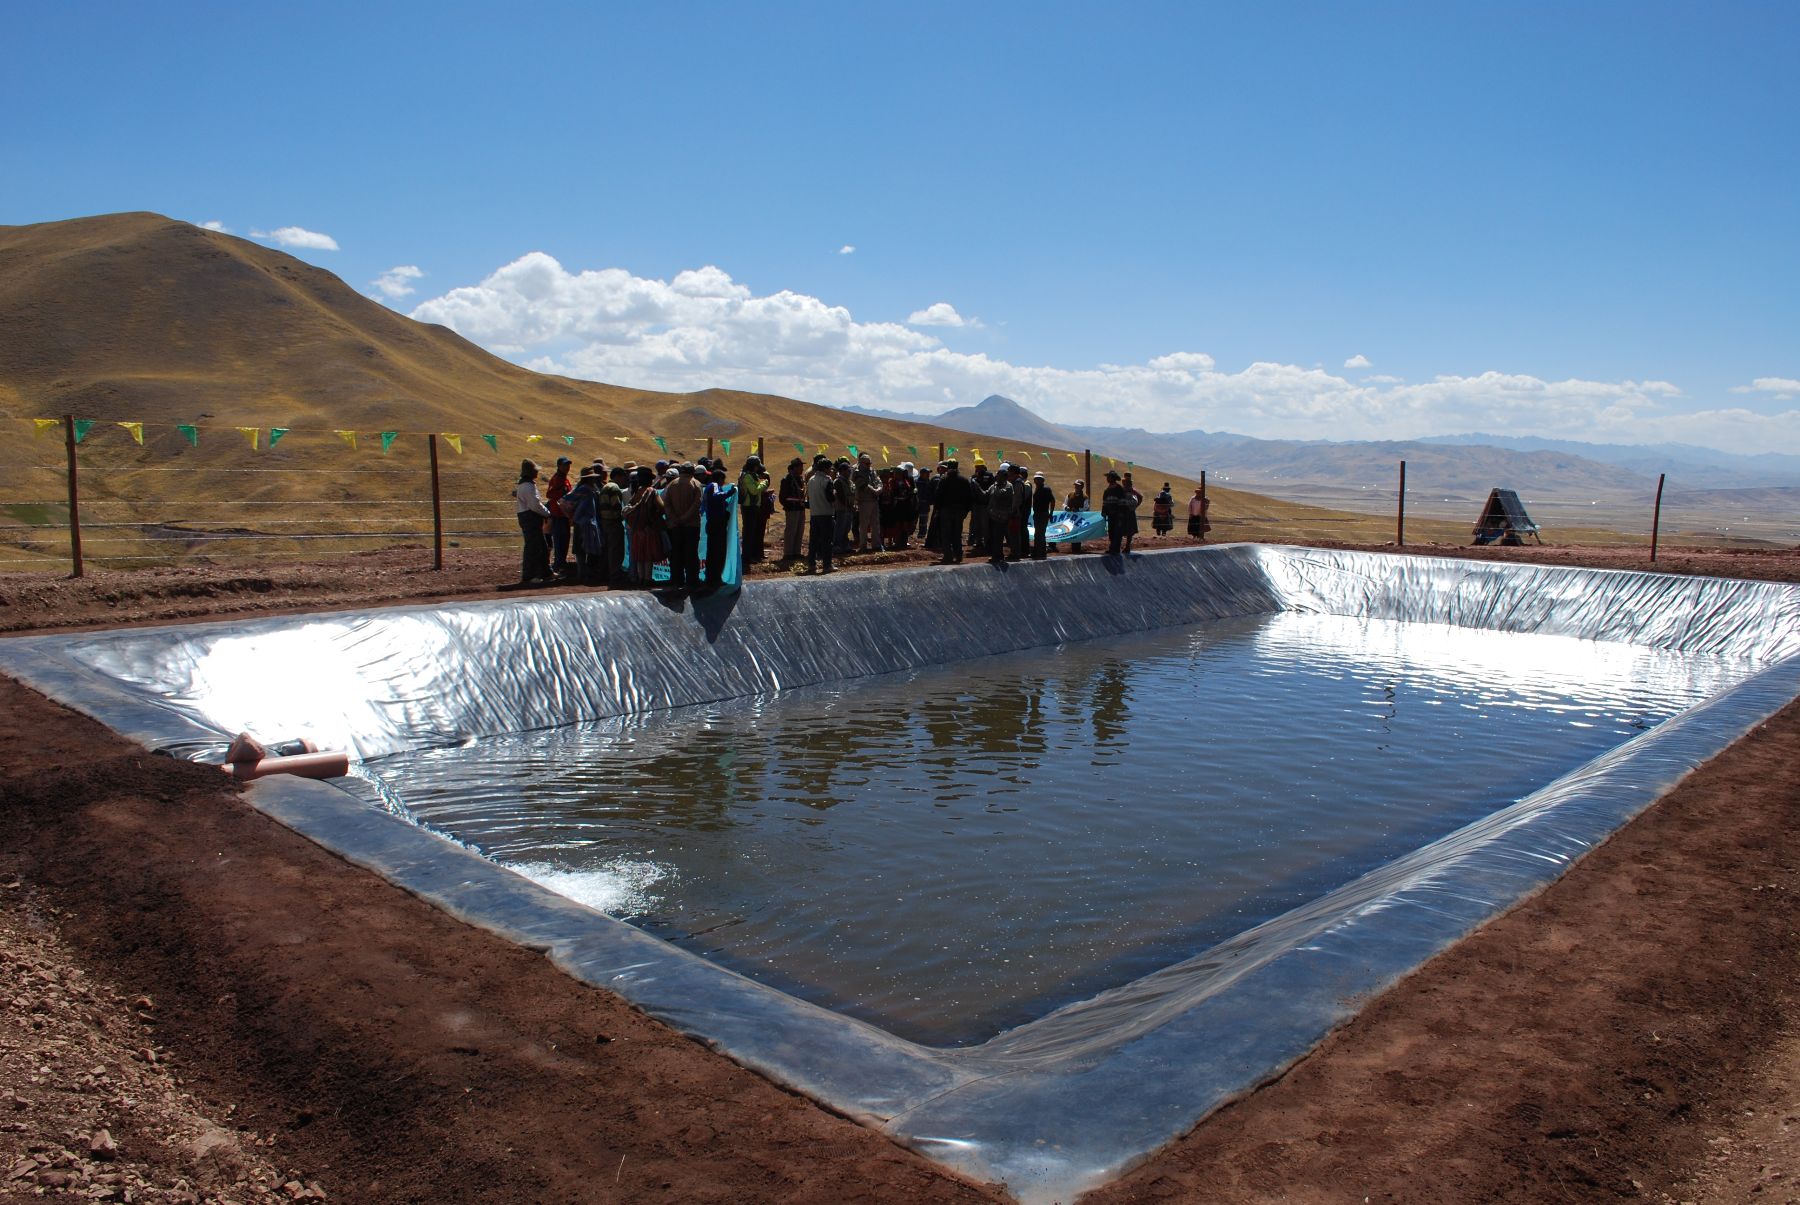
(1578,216)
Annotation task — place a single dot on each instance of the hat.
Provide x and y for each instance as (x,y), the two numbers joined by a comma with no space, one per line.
(1037,476)
(796,463)
(562,460)
(1112,474)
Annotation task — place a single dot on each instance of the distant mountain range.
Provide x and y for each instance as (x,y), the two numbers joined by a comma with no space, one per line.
(1451,465)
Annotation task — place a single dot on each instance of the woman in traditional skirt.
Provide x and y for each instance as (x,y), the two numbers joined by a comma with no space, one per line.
(1198,505)
(1162,512)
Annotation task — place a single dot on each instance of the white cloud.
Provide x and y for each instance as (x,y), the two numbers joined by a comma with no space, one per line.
(1380,378)
(217,225)
(1358,361)
(847,249)
(704,329)
(395,282)
(1783,388)
(941,313)
(296,236)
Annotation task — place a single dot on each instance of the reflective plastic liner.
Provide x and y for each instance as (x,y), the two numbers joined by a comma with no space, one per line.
(1051,1107)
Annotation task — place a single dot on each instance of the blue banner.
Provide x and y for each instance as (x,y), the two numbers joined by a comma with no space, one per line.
(1070,527)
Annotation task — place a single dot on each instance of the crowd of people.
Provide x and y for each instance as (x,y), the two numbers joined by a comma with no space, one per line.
(611,526)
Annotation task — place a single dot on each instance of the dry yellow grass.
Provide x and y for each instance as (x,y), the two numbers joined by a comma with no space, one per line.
(140,318)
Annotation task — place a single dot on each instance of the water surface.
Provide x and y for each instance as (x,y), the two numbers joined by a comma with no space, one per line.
(953,851)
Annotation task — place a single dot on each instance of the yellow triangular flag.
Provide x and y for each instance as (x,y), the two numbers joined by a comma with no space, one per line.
(454,441)
(46,424)
(1111,463)
(253,434)
(1074,459)
(136,429)
(348,437)
(624,439)
(884,452)
(534,439)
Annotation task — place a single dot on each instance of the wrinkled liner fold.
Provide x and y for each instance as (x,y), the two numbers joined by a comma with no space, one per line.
(1070,1100)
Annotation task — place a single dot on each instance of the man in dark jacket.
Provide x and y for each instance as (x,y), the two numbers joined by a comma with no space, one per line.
(955,495)
(792,496)
(1043,502)
(925,490)
(1002,510)
(610,508)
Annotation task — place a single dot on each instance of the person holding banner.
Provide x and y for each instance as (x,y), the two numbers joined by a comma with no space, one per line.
(1077,503)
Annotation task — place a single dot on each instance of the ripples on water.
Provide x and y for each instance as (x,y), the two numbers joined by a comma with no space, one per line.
(953,851)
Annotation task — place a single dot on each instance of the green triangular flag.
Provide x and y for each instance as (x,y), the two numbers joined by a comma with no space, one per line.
(726,444)
(800,447)
(853,450)
(387,440)
(493,441)
(999,453)
(569,439)
(949,452)
(661,442)
(275,434)
(189,432)
(82,427)
(913,448)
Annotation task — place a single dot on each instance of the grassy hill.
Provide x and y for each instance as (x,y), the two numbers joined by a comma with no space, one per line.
(139,318)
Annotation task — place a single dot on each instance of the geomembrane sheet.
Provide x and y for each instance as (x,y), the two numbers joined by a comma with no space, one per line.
(1057,1104)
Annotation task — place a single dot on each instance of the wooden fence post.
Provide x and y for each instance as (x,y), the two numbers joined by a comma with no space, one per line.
(1203,506)
(1656,516)
(759,451)
(709,447)
(437,507)
(941,456)
(74,497)
(1400,513)
(1087,471)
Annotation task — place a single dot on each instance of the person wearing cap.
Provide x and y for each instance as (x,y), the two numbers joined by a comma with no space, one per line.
(681,503)
(791,493)
(955,495)
(1043,502)
(1117,506)
(1021,511)
(554,492)
(845,492)
(754,505)
(1002,510)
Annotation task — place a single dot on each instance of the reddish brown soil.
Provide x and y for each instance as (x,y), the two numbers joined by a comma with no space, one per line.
(1630,1032)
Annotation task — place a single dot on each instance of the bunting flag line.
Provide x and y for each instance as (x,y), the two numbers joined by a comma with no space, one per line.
(492,441)
(253,434)
(189,432)
(387,440)
(275,434)
(455,441)
(569,439)
(348,437)
(136,429)
(45,424)
(82,427)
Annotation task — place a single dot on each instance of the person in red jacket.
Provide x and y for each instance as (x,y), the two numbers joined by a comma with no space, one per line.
(554,492)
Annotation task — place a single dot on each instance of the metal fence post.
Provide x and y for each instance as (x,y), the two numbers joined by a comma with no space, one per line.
(1656,516)
(437,507)
(1400,514)
(74,497)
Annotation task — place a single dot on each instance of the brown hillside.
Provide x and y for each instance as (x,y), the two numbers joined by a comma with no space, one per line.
(139,318)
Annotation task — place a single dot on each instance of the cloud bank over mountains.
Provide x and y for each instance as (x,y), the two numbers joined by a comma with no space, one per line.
(703,329)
